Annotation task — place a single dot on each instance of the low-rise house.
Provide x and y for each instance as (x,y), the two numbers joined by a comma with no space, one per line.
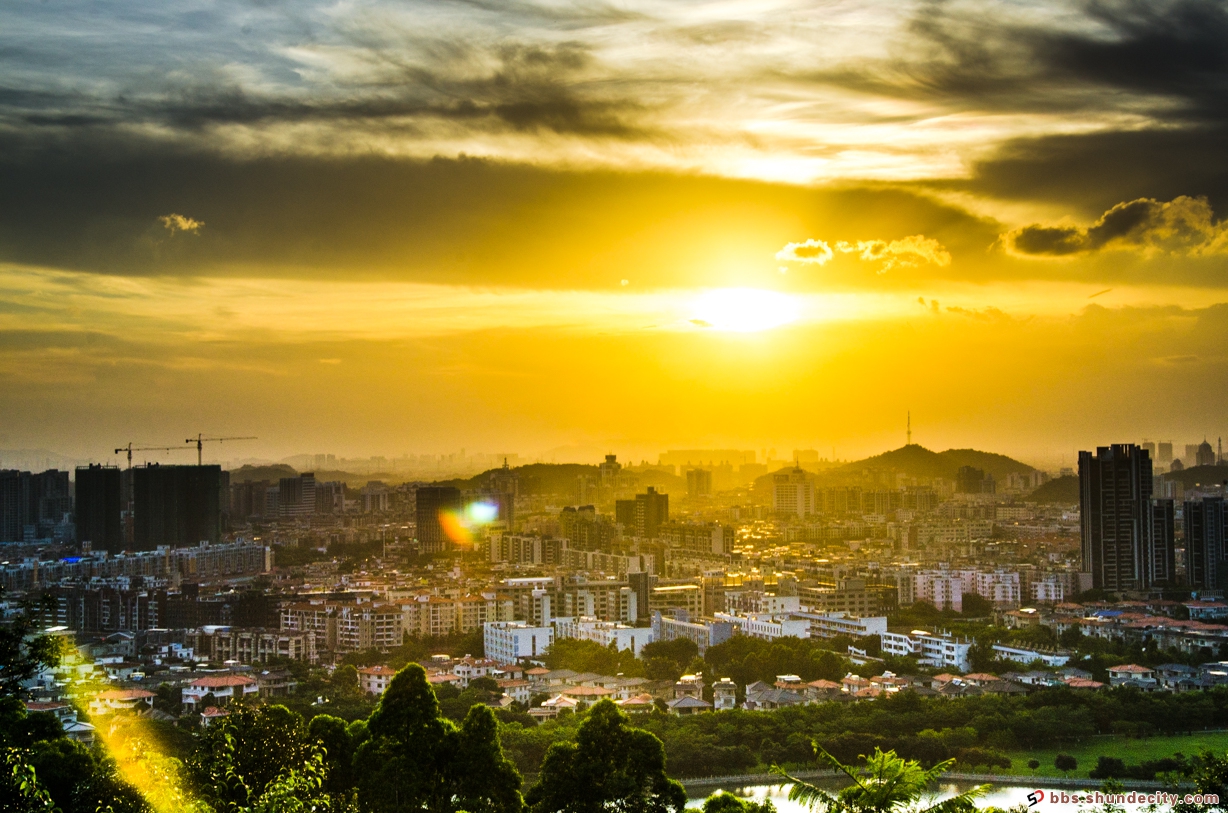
(689,686)
(375,679)
(111,701)
(211,715)
(276,683)
(819,690)
(517,689)
(224,689)
(550,709)
(725,694)
(1131,674)
(688,705)
(637,704)
(1177,677)
(771,698)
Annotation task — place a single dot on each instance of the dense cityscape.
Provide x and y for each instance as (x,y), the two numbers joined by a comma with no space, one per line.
(706,582)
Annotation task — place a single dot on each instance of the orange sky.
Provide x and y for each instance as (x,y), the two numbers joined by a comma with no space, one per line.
(381,228)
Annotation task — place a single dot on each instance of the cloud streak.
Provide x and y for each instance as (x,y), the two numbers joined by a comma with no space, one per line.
(886,255)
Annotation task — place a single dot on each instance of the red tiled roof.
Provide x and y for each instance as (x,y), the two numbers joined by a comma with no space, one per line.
(221,681)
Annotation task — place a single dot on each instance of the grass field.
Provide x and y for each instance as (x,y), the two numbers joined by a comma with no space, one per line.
(1131,751)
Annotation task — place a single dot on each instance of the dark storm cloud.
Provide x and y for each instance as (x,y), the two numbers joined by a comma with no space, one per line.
(1180,226)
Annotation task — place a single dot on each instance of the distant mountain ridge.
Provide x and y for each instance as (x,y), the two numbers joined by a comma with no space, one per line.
(918,461)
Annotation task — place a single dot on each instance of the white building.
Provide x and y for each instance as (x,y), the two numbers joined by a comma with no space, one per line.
(1051,589)
(375,679)
(605,633)
(509,641)
(999,586)
(930,649)
(1025,655)
(765,626)
(829,625)
(223,687)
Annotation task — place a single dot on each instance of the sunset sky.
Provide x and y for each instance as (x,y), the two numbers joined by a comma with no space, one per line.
(388,227)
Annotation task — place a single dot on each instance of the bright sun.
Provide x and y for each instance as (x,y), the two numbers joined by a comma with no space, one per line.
(744,310)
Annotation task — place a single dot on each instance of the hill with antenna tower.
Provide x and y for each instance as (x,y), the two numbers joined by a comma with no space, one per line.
(917,461)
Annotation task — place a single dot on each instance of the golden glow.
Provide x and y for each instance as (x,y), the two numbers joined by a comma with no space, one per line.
(745,310)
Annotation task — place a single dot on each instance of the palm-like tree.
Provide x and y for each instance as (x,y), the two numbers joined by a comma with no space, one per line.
(887,784)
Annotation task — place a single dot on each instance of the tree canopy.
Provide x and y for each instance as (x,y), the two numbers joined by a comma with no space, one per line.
(611,765)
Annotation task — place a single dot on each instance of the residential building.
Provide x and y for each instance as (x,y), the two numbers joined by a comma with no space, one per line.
(1118,547)
(98,508)
(509,641)
(937,650)
(1206,529)
(606,633)
(793,493)
(176,506)
(705,633)
(829,625)
(224,689)
(434,506)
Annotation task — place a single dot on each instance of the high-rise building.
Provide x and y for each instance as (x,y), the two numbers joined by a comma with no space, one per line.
(698,483)
(971,480)
(433,502)
(1205,456)
(651,510)
(99,506)
(1206,525)
(296,496)
(793,493)
(1160,564)
(176,505)
(31,505)
(1119,546)
(1164,453)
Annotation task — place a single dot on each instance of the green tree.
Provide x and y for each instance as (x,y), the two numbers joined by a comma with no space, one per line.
(1065,763)
(20,791)
(888,784)
(611,765)
(24,653)
(725,802)
(241,755)
(417,760)
(1033,765)
(333,735)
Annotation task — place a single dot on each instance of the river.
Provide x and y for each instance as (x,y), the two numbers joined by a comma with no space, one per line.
(1002,796)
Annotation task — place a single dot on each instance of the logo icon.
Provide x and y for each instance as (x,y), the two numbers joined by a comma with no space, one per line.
(1036,797)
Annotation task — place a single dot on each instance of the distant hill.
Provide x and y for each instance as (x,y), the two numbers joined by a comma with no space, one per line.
(1195,475)
(274,472)
(918,461)
(1060,491)
(564,479)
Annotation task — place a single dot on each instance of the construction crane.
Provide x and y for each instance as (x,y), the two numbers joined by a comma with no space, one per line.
(130,449)
(200,440)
